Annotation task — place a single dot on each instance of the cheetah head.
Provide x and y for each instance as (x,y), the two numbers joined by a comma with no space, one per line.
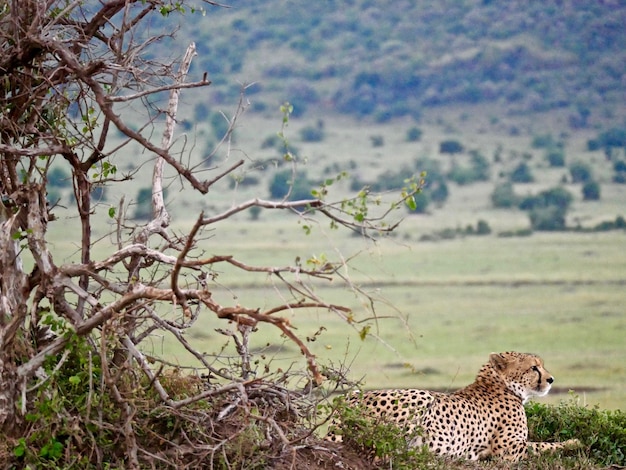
(523,374)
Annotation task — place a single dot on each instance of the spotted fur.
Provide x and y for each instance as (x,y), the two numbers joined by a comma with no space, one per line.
(484,419)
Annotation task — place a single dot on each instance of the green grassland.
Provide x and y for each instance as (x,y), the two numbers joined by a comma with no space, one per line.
(442,306)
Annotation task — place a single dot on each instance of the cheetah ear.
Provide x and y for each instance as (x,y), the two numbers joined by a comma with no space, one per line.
(498,361)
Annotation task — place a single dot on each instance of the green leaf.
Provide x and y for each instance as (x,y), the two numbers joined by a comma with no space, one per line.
(411,203)
(74,380)
(112,212)
(364,332)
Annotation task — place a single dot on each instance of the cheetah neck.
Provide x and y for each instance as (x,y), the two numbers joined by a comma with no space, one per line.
(490,379)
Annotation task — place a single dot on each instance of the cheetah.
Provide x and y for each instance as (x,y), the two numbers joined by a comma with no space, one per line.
(483,420)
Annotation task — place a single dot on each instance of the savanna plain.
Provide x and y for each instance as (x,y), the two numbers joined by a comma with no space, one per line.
(441,304)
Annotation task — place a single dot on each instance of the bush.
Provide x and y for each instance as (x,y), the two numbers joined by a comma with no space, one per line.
(483,228)
(559,197)
(612,138)
(551,218)
(547,210)
(436,187)
(461,175)
(382,441)
(143,201)
(219,125)
(556,158)
(377,140)
(580,172)
(414,134)
(591,191)
(422,201)
(282,184)
(543,141)
(503,196)
(59,178)
(450,147)
(312,134)
(522,174)
(602,432)
(477,171)
(619,168)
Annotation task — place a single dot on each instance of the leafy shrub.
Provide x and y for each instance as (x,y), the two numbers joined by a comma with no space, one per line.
(619,168)
(544,141)
(618,224)
(59,178)
(523,232)
(219,125)
(591,191)
(272,141)
(551,218)
(483,228)
(436,186)
(414,134)
(377,140)
(143,201)
(282,183)
(602,432)
(383,441)
(243,180)
(580,172)
(477,171)
(450,146)
(612,138)
(548,209)
(522,174)
(312,133)
(504,196)
(558,197)
(461,175)
(556,158)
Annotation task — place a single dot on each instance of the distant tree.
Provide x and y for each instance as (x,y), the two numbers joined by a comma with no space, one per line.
(201,112)
(522,174)
(550,218)
(436,187)
(312,134)
(414,134)
(450,146)
(503,196)
(548,209)
(580,172)
(591,191)
(483,228)
(377,140)
(545,141)
(59,178)
(219,124)
(255,212)
(422,201)
(272,141)
(292,186)
(556,158)
(619,172)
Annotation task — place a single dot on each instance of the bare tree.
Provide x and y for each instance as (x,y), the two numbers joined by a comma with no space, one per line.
(67,68)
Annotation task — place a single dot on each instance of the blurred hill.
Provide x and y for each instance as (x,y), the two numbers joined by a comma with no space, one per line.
(368,58)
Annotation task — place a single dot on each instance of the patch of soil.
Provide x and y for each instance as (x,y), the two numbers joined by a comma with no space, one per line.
(323,455)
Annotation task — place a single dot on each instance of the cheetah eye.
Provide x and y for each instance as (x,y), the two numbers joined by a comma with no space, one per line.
(535,368)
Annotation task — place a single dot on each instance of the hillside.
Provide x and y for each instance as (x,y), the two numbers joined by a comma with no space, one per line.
(363,59)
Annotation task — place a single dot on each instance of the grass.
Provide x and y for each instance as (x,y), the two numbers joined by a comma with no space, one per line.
(444,305)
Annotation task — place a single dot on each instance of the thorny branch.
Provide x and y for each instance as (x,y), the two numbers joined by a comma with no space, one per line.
(67,71)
